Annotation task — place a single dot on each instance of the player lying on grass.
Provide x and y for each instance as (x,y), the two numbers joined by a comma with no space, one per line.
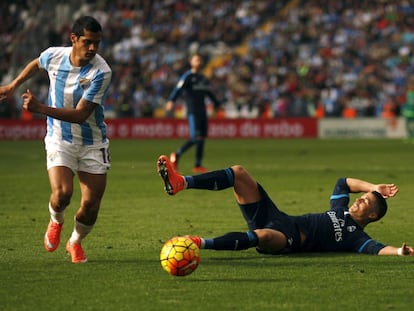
(271,231)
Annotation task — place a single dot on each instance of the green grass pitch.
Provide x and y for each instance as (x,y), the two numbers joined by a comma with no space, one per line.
(124,273)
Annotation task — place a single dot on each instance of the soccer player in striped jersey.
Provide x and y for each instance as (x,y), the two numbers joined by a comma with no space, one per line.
(195,87)
(76,141)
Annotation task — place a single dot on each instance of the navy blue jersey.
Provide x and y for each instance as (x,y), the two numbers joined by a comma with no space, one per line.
(335,230)
(194,87)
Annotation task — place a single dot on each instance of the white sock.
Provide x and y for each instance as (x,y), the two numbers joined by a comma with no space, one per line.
(185,182)
(57,217)
(80,231)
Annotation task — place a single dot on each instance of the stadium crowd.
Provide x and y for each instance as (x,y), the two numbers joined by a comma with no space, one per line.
(264,58)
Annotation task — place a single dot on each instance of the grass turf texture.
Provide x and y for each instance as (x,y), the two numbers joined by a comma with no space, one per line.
(124,273)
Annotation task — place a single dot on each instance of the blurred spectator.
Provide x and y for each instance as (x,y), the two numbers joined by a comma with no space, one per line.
(272,58)
(408,108)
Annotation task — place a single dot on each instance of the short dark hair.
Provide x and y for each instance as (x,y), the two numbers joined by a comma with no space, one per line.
(85,22)
(380,206)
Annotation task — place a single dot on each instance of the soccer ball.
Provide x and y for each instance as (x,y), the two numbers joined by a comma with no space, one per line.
(180,256)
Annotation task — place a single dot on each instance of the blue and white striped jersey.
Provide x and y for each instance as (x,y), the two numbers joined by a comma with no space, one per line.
(68,84)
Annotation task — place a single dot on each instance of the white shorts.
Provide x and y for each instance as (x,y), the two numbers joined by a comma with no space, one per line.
(90,159)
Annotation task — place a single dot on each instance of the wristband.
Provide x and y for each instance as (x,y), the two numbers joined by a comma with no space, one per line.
(400,252)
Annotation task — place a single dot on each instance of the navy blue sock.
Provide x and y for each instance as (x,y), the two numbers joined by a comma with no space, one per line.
(199,152)
(187,145)
(233,241)
(214,180)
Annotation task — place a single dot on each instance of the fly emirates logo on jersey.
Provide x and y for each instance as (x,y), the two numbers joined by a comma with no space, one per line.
(338,224)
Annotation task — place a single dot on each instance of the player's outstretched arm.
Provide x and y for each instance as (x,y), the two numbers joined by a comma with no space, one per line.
(404,250)
(28,71)
(358,185)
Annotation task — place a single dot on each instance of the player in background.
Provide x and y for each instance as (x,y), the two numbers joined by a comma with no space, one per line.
(408,109)
(76,141)
(271,231)
(195,87)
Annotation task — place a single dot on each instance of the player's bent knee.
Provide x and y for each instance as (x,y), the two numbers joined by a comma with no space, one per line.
(240,172)
(60,198)
(245,186)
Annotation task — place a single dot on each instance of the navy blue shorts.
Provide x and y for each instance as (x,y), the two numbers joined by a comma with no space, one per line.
(265,215)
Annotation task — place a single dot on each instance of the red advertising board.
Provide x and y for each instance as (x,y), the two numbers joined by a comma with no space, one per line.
(173,128)
(19,130)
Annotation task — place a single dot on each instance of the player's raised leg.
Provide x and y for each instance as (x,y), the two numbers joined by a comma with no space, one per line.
(245,187)
(173,182)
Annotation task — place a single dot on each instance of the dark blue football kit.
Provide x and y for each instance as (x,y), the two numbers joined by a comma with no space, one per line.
(195,87)
(333,230)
